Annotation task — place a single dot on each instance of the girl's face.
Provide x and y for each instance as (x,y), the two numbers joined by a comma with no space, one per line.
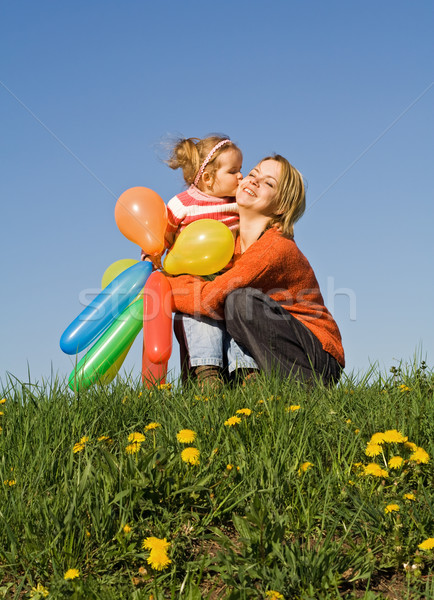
(228,175)
(258,190)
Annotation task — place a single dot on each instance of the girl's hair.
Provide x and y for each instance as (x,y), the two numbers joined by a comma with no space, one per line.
(290,196)
(188,154)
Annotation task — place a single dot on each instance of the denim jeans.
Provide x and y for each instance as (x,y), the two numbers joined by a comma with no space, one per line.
(208,343)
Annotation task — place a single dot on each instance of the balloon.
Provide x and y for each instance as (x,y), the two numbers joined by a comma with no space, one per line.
(107,350)
(116,269)
(202,248)
(96,317)
(141,216)
(114,369)
(157,318)
(152,373)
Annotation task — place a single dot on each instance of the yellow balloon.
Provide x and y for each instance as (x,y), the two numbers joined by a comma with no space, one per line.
(114,369)
(116,269)
(202,248)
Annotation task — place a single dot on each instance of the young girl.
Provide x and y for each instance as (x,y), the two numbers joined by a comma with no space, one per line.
(212,168)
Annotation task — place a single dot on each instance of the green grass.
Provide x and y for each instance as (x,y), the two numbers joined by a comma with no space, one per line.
(244,521)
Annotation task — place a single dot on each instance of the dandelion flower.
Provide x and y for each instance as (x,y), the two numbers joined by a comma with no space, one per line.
(3,401)
(164,386)
(136,437)
(158,560)
(427,544)
(127,528)
(152,426)
(420,456)
(373,449)
(232,421)
(391,508)
(375,470)
(244,411)
(409,497)
(103,438)
(229,467)
(293,407)
(404,388)
(72,574)
(40,590)
(356,431)
(273,595)
(377,438)
(1,413)
(84,439)
(395,462)
(154,543)
(410,445)
(348,421)
(78,447)
(132,448)
(190,455)
(392,436)
(186,436)
(9,482)
(305,467)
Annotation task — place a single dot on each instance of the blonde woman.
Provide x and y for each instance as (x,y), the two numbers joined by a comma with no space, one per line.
(269,303)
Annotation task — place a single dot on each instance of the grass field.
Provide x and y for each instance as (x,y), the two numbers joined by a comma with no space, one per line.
(269,491)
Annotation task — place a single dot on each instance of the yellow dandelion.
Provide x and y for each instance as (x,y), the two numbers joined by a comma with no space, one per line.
(190,455)
(244,411)
(427,544)
(375,470)
(72,574)
(154,543)
(391,508)
(152,426)
(103,438)
(293,407)
(78,447)
(126,528)
(420,456)
(87,533)
(410,497)
(373,449)
(124,399)
(9,482)
(1,413)
(392,436)
(410,445)
(164,386)
(348,421)
(351,482)
(39,590)
(232,421)
(229,467)
(186,436)
(2,401)
(404,388)
(305,467)
(395,462)
(377,438)
(273,595)
(84,439)
(132,448)
(158,560)
(136,437)
(356,431)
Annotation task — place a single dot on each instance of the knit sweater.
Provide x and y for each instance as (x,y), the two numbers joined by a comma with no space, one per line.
(192,205)
(274,265)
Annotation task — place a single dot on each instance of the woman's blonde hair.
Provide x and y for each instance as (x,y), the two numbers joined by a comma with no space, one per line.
(188,154)
(290,197)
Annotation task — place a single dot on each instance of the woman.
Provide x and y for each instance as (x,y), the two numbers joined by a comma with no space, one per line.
(268,306)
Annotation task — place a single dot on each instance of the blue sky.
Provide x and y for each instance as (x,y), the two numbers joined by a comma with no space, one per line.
(90,92)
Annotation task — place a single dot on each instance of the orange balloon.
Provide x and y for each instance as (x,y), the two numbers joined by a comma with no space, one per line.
(157,318)
(141,216)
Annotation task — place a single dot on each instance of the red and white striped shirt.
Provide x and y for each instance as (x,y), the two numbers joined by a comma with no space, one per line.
(192,205)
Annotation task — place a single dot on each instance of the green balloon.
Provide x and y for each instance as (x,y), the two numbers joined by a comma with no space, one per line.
(105,352)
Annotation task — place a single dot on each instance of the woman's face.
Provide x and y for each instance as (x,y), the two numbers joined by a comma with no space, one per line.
(257,191)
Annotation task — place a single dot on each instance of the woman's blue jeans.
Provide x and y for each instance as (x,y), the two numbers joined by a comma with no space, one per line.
(209,343)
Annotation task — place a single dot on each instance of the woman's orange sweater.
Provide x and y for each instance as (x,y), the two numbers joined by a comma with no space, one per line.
(275,266)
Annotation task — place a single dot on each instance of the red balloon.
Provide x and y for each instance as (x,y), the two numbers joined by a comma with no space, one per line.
(152,374)
(157,318)
(141,216)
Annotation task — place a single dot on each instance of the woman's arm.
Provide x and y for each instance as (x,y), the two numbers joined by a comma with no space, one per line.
(258,267)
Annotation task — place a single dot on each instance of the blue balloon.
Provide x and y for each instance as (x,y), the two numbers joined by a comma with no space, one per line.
(102,311)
